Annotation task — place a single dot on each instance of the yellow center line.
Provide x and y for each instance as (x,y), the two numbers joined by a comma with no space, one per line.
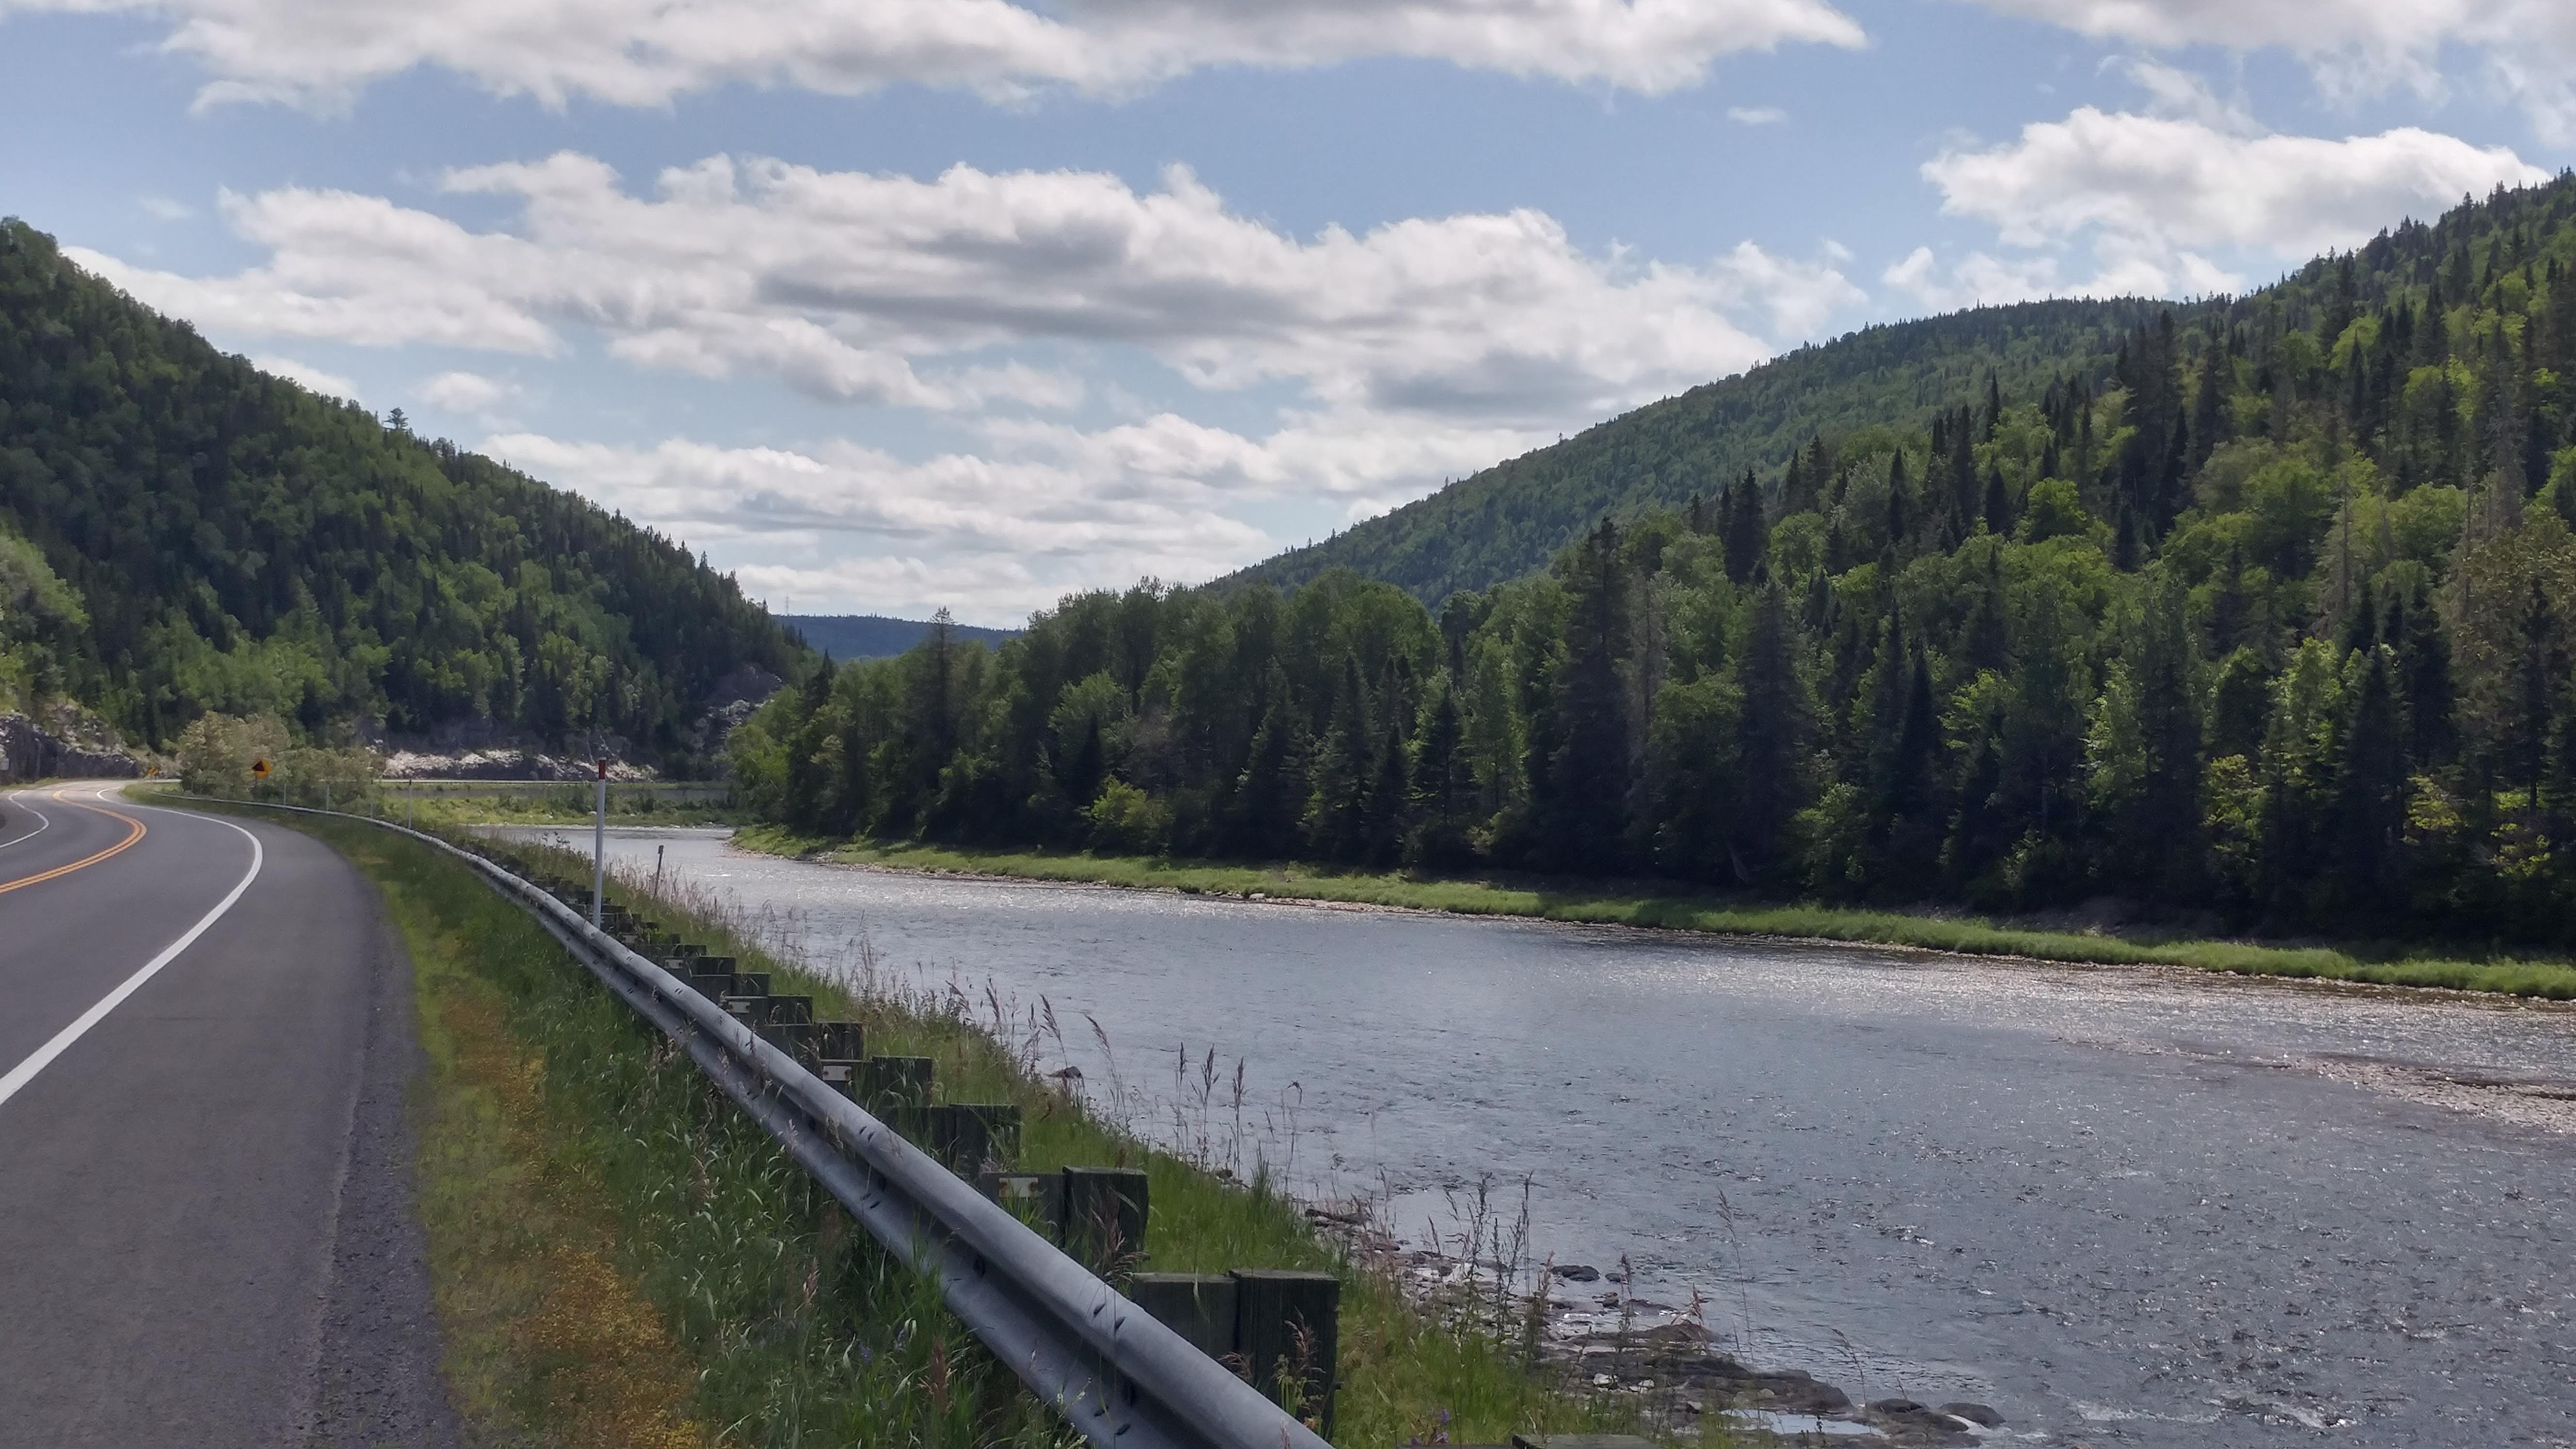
(134,832)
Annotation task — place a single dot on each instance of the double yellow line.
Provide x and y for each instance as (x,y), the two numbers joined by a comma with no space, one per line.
(134,831)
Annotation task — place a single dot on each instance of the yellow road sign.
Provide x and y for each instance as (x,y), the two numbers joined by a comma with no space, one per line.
(259,769)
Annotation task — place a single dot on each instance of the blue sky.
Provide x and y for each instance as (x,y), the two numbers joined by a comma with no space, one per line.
(913,303)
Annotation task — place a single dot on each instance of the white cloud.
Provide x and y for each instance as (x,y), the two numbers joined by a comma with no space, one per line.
(1977,280)
(842,284)
(2360,47)
(162,208)
(1417,351)
(1039,511)
(1800,296)
(2185,96)
(1756,115)
(312,379)
(2169,205)
(647,52)
(466,392)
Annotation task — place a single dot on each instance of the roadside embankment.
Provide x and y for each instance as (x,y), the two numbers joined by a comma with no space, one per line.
(618,1256)
(1598,903)
(621,1257)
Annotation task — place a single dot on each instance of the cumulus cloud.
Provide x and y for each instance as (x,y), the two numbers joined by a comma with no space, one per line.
(992,534)
(466,392)
(2180,93)
(1037,511)
(312,379)
(647,52)
(2166,202)
(2360,47)
(1388,360)
(891,290)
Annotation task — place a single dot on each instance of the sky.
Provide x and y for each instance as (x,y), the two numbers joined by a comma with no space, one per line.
(893,305)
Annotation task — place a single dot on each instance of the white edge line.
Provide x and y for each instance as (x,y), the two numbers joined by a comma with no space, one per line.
(47,822)
(25,1072)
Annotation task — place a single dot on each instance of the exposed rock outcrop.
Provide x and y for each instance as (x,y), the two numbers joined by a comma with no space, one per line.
(63,744)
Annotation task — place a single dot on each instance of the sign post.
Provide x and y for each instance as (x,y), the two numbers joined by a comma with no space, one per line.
(599,846)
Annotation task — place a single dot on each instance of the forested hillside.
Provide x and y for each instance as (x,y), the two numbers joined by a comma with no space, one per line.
(1510,520)
(2269,614)
(220,540)
(874,636)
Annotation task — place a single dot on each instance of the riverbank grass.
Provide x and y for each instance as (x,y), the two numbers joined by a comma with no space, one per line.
(618,1256)
(1598,905)
(1407,1374)
(447,811)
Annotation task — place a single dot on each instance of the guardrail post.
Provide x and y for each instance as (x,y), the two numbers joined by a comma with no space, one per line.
(599,847)
(1287,1326)
(1104,1218)
(839,1041)
(1038,1195)
(1199,1307)
(882,1084)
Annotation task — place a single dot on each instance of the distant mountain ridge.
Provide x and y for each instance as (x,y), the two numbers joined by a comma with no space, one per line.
(197,536)
(1510,520)
(847,637)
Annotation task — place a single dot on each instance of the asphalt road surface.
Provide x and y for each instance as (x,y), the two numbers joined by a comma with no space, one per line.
(207,1234)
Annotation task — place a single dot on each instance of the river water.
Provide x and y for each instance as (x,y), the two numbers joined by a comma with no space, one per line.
(2123,1206)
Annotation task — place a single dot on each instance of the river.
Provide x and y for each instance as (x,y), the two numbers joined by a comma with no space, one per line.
(2123,1206)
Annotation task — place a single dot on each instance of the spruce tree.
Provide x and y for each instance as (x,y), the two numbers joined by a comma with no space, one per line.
(1344,774)
(1746,538)
(1587,772)
(1966,494)
(1899,510)
(1773,737)
(1998,504)
(1443,784)
(2371,803)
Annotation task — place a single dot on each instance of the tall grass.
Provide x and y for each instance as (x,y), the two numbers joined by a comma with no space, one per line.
(1414,1367)
(619,1256)
(2377,964)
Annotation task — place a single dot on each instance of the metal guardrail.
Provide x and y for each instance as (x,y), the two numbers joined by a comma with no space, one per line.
(1118,1376)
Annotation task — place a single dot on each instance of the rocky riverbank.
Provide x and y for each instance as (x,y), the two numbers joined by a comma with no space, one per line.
(1586,1326)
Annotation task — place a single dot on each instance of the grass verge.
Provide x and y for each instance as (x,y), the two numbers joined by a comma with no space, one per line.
(618,1256)
(621,1258)
(1597,905)
(1463,1372)
(450,809)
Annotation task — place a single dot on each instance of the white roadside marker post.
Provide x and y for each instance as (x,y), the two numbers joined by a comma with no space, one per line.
(599,846)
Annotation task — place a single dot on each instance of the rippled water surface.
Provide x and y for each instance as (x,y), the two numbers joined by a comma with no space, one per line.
(2124,1207)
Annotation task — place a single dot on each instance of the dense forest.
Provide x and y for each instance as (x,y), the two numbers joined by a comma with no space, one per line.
(191,535)
(1510,520)
(2269,613)
(874,636)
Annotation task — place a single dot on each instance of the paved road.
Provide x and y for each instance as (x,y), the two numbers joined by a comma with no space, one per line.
(206,1224)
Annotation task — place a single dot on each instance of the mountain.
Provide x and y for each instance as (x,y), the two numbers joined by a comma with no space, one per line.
(199,536)
(1511,519)
(846,637)
(2261,608)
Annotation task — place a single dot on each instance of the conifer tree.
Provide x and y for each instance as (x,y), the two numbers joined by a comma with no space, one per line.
(1745,536)
(1998,504)
(1443,784)
(1773,734)
(2371,807)
(1587,772)
(1344,775)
